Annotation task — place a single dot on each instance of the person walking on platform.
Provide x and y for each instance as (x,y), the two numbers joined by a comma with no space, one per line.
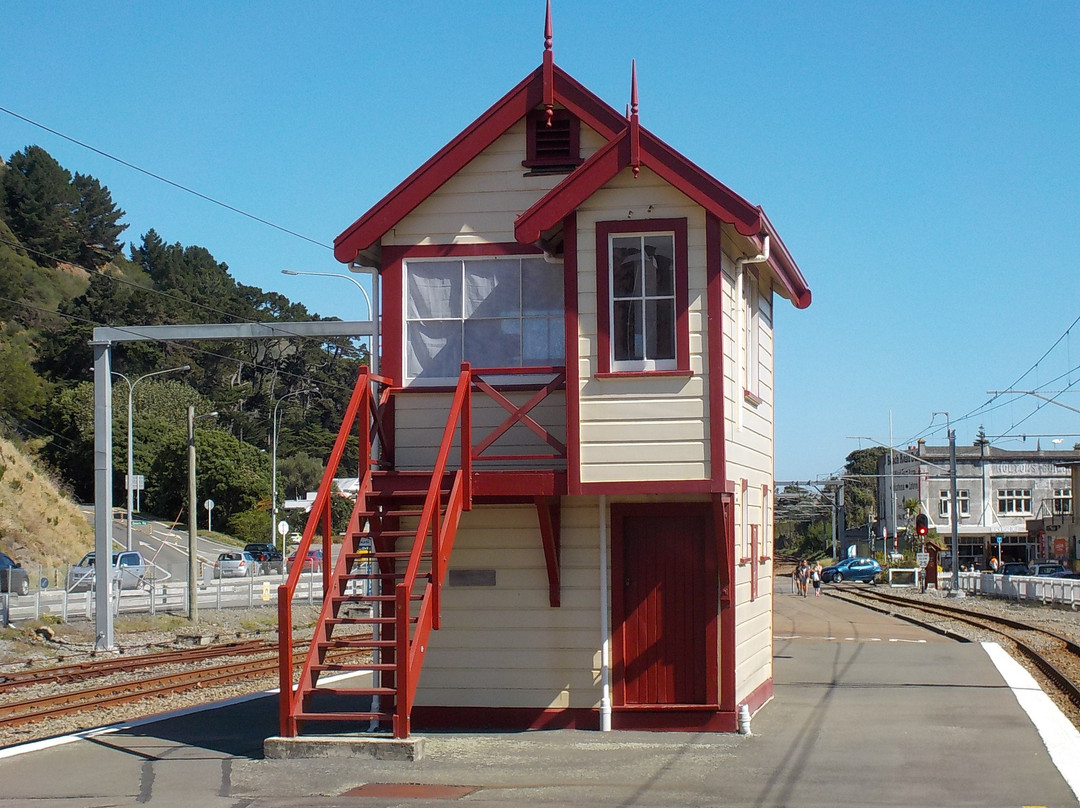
(815,576)
(802,576)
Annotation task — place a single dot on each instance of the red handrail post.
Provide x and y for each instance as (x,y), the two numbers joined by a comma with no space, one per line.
(466,437)
(404,674)
(286,723)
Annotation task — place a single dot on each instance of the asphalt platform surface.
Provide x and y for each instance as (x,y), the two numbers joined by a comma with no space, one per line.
(868,711)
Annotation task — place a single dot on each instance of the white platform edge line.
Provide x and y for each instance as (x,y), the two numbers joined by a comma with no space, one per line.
(1061,738)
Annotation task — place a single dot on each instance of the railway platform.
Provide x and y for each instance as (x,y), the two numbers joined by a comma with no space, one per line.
(868,711)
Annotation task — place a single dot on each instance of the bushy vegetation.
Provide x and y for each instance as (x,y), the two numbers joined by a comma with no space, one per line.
(63,271)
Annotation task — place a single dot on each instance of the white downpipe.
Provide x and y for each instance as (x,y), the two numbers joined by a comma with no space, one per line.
(605,624)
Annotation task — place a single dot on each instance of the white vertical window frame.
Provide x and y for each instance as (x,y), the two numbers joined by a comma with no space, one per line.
(744,514)
(751,318)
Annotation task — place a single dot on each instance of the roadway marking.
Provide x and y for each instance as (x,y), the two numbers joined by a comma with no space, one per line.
(1061,738)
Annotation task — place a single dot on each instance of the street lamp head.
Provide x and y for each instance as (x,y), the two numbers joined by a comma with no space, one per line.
(289,272)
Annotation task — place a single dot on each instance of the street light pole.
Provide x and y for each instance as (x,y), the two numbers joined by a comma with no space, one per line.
(193,514)
(373,361)
(130,443)
(273,467)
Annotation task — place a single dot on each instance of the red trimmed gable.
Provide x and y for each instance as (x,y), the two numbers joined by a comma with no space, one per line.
(506,112)
(715,197)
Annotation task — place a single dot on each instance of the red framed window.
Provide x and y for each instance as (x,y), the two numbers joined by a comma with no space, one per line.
(643,325)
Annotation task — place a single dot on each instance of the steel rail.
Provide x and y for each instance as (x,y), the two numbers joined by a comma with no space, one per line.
(79,671)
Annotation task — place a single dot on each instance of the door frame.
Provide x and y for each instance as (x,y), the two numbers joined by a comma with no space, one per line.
(711,569)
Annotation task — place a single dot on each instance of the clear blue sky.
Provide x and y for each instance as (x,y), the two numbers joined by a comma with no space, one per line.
(920,160)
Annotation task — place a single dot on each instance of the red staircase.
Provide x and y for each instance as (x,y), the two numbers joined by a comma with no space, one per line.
(382,596)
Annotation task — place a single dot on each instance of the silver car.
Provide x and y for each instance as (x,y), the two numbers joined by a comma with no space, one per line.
(129,571)
(235,564)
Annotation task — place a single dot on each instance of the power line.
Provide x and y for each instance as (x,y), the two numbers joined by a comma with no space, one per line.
(166,180)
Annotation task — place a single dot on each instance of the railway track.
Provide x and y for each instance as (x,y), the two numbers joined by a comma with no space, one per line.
(95,668)
(54,693)
(1057,657)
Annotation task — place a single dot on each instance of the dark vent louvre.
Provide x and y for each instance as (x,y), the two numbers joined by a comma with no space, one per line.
(553,142)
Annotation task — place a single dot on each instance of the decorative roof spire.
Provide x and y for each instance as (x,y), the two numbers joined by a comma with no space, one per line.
(635,127)
(549,68)
(547,28)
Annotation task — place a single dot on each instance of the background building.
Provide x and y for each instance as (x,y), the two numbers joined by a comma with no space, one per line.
(1009,502)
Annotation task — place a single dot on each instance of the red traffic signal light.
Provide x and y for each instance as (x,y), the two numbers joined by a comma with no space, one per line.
(921,524)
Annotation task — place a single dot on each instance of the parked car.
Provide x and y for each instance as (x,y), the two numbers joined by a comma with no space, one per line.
(1065,574)
(129,571)
(1013,568)
(268,556)
(852,569)
(312,561)
(13,578)
(1046,569)
(235,564)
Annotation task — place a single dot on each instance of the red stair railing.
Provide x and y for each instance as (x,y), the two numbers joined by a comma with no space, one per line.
(364,412)
(441,527)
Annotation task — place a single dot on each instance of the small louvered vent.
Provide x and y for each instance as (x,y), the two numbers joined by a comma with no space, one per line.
(552,148)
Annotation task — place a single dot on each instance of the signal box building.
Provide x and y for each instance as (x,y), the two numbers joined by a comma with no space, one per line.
(590,315)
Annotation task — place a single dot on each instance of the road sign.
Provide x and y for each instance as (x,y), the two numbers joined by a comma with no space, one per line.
(282,527)
(209,504)
(922,559)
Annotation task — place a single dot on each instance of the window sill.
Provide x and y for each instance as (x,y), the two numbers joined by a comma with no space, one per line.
(751,399)
(635,374)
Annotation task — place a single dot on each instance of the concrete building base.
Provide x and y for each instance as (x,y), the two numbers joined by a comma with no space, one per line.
(343,746)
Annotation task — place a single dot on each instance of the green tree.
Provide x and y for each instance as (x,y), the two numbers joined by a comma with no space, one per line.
(235,475)
(38,200)
(860,485)
(22,392)
(298,474)
(97,220)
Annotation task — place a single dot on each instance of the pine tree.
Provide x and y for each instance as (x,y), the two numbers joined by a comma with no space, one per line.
(96,219)
(38,203)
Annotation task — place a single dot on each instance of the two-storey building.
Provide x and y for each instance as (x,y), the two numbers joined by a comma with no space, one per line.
(1004,497)
(576,397)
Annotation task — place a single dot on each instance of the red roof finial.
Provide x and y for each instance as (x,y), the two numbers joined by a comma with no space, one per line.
(549,69)
(547,28)
(635,127)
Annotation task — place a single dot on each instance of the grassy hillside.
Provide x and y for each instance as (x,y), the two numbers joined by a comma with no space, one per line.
(40,526)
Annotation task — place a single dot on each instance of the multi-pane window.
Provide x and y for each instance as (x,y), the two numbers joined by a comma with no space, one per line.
(500,312)
(642,301)
(1062,500)
(945,503)
(1014,500)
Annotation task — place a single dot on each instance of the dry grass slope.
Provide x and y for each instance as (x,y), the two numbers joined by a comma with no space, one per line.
(40,527)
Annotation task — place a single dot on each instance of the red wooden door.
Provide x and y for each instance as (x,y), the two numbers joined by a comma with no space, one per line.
(665,602)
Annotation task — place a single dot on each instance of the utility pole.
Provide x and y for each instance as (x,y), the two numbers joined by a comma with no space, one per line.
(956,592)
(193,529)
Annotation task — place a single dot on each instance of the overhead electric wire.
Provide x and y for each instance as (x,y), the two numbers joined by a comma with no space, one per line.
(166,180)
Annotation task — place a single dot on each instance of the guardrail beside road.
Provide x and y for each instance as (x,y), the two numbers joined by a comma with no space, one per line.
(170,597)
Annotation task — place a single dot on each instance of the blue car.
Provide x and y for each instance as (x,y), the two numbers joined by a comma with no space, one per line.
(852,569)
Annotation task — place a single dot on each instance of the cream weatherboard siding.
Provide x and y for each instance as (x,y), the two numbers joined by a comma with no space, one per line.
(641,428)
(480,203)
(504,645)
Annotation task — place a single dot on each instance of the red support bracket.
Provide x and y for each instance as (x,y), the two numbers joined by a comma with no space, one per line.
(548,513)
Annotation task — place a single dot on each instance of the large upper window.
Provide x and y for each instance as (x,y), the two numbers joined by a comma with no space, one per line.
(1014,500)
(641,296)
(499,312)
